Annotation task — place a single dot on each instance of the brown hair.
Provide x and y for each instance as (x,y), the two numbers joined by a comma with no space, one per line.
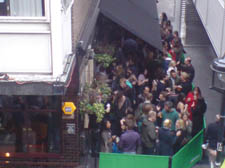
(149,96)
(130,124)
(146,108)
(151,114)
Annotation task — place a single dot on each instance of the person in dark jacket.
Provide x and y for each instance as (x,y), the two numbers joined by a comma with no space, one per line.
(184,86)
(121,106)
(148,135)
(130,140)
(167,139)
(182,139)
(211,138)
(188,68)
(198,111)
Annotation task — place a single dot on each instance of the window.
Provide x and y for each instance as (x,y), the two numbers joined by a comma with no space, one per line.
(23,8)
(29,124)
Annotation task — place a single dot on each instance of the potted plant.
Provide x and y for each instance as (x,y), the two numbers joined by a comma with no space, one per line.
(105,59)
(93,99)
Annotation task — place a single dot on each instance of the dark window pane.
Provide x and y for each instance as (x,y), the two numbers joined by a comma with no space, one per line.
(30,124)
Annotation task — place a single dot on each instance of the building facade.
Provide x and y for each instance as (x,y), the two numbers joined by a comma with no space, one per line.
(45,59)
(212,14)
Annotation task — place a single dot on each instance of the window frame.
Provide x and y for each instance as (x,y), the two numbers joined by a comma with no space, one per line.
(25,19)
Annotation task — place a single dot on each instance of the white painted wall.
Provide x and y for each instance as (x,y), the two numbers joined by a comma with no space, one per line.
(36,44)
(212,14)
(56,35)
(66,34)
(25,53)
(215,23)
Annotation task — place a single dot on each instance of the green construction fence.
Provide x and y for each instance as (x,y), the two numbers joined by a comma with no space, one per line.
(190,154)
(186,157)
(111,160)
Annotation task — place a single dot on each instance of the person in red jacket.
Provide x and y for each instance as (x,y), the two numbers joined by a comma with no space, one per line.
(191,100)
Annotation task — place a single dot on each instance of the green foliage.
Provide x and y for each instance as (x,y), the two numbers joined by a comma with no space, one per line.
(105,91)
(92,96)
(104,54)
(99,111)
(104,59)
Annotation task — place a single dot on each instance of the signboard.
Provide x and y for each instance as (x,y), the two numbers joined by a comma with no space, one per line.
(70,128)
(219,146)
(68,108)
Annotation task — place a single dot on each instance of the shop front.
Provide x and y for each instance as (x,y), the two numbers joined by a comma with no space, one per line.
(35,132)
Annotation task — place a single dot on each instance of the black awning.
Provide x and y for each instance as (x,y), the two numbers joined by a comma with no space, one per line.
(140,17)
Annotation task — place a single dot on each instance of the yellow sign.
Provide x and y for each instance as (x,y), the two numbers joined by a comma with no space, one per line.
(68,108)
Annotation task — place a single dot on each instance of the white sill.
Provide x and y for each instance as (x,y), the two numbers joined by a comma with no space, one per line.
(29,78)
(19,19)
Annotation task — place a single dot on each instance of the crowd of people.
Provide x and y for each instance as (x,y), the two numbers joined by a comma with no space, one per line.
(155,109)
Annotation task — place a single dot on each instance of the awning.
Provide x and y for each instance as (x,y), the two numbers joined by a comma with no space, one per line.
(140,17)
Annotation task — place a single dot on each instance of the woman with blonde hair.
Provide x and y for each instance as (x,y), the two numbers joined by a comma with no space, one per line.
(187,124)
(182,139)
(184,85)
(172,66)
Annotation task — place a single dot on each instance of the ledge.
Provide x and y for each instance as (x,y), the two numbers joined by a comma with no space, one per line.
(33,88)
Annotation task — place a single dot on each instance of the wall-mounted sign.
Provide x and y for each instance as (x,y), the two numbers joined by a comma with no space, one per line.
(70,128)
(68,108)
(219,146)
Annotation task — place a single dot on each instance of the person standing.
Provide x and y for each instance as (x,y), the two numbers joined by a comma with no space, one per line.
(212,137)
(167,139)
(121,106)
(182,139)
(130,140)
(198,111)
(184,84)
(188,68)
(106,135)
(170,113)
(148,135)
